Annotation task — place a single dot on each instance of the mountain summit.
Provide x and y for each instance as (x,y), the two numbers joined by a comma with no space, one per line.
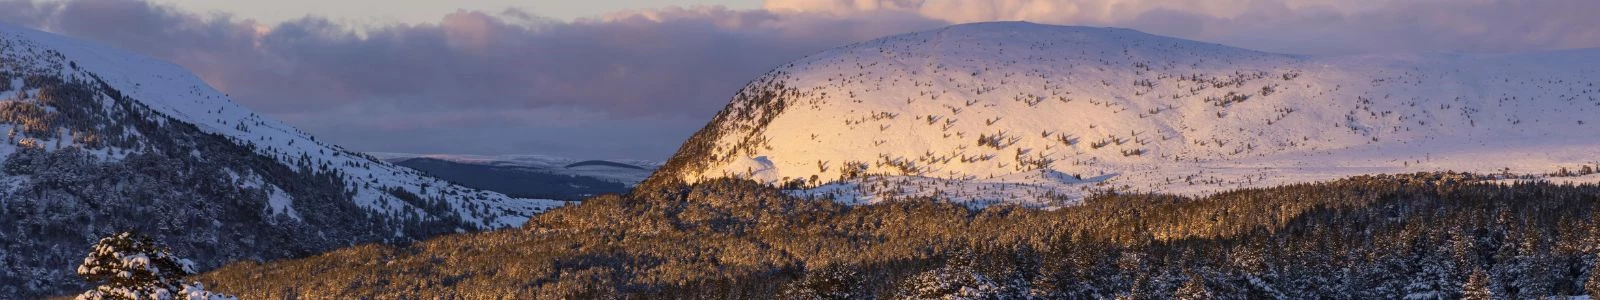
(100,140)
(1043,115)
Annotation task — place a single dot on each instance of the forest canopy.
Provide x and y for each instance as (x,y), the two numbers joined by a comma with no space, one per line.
(1390,236)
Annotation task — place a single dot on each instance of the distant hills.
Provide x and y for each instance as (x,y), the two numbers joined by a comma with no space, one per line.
(532,176)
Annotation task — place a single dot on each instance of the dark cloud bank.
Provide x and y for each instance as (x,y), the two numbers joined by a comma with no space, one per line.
(636,84)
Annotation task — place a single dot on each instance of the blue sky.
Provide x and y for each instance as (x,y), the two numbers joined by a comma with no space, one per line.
(550,77)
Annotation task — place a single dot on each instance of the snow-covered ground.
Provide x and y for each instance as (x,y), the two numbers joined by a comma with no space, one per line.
(182,97)
(1043,115)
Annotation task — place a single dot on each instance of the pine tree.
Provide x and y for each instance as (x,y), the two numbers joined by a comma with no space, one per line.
(131,266)
(1430,279)
(1193,289)
(1593,285)
(951,282)
(833,282)
(1476,287)
(131,262)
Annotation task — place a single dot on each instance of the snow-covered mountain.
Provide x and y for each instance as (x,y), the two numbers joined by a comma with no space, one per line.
(530,175)
(1043,115)
(101,140)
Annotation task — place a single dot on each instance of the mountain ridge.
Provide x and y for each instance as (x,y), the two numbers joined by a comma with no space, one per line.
(995,112)
(100,140)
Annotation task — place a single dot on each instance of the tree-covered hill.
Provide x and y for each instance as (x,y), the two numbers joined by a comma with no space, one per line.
(1387,237)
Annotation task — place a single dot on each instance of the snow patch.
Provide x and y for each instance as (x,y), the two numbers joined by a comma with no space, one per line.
(279,202)
(758,168)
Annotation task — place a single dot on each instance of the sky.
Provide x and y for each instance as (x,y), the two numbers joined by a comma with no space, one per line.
(393,11)
(598,79)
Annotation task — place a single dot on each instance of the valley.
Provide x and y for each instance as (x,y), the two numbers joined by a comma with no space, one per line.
(988,160)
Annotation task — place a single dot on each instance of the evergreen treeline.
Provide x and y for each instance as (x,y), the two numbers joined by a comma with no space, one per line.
(1426,236)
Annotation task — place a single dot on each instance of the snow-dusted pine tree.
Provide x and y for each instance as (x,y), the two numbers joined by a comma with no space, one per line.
(1476,287)
(1431,276)
(951,282)
(1593,285)
(833,282)
(1193,289)
(131,266)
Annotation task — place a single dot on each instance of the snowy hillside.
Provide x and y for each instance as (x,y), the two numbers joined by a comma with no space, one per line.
(176,94)
(101,140)
(1043,115)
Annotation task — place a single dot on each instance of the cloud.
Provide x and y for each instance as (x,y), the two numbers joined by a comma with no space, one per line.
(1297,26)
(629,64)
(636,83)
(367,83)
(1046,11)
